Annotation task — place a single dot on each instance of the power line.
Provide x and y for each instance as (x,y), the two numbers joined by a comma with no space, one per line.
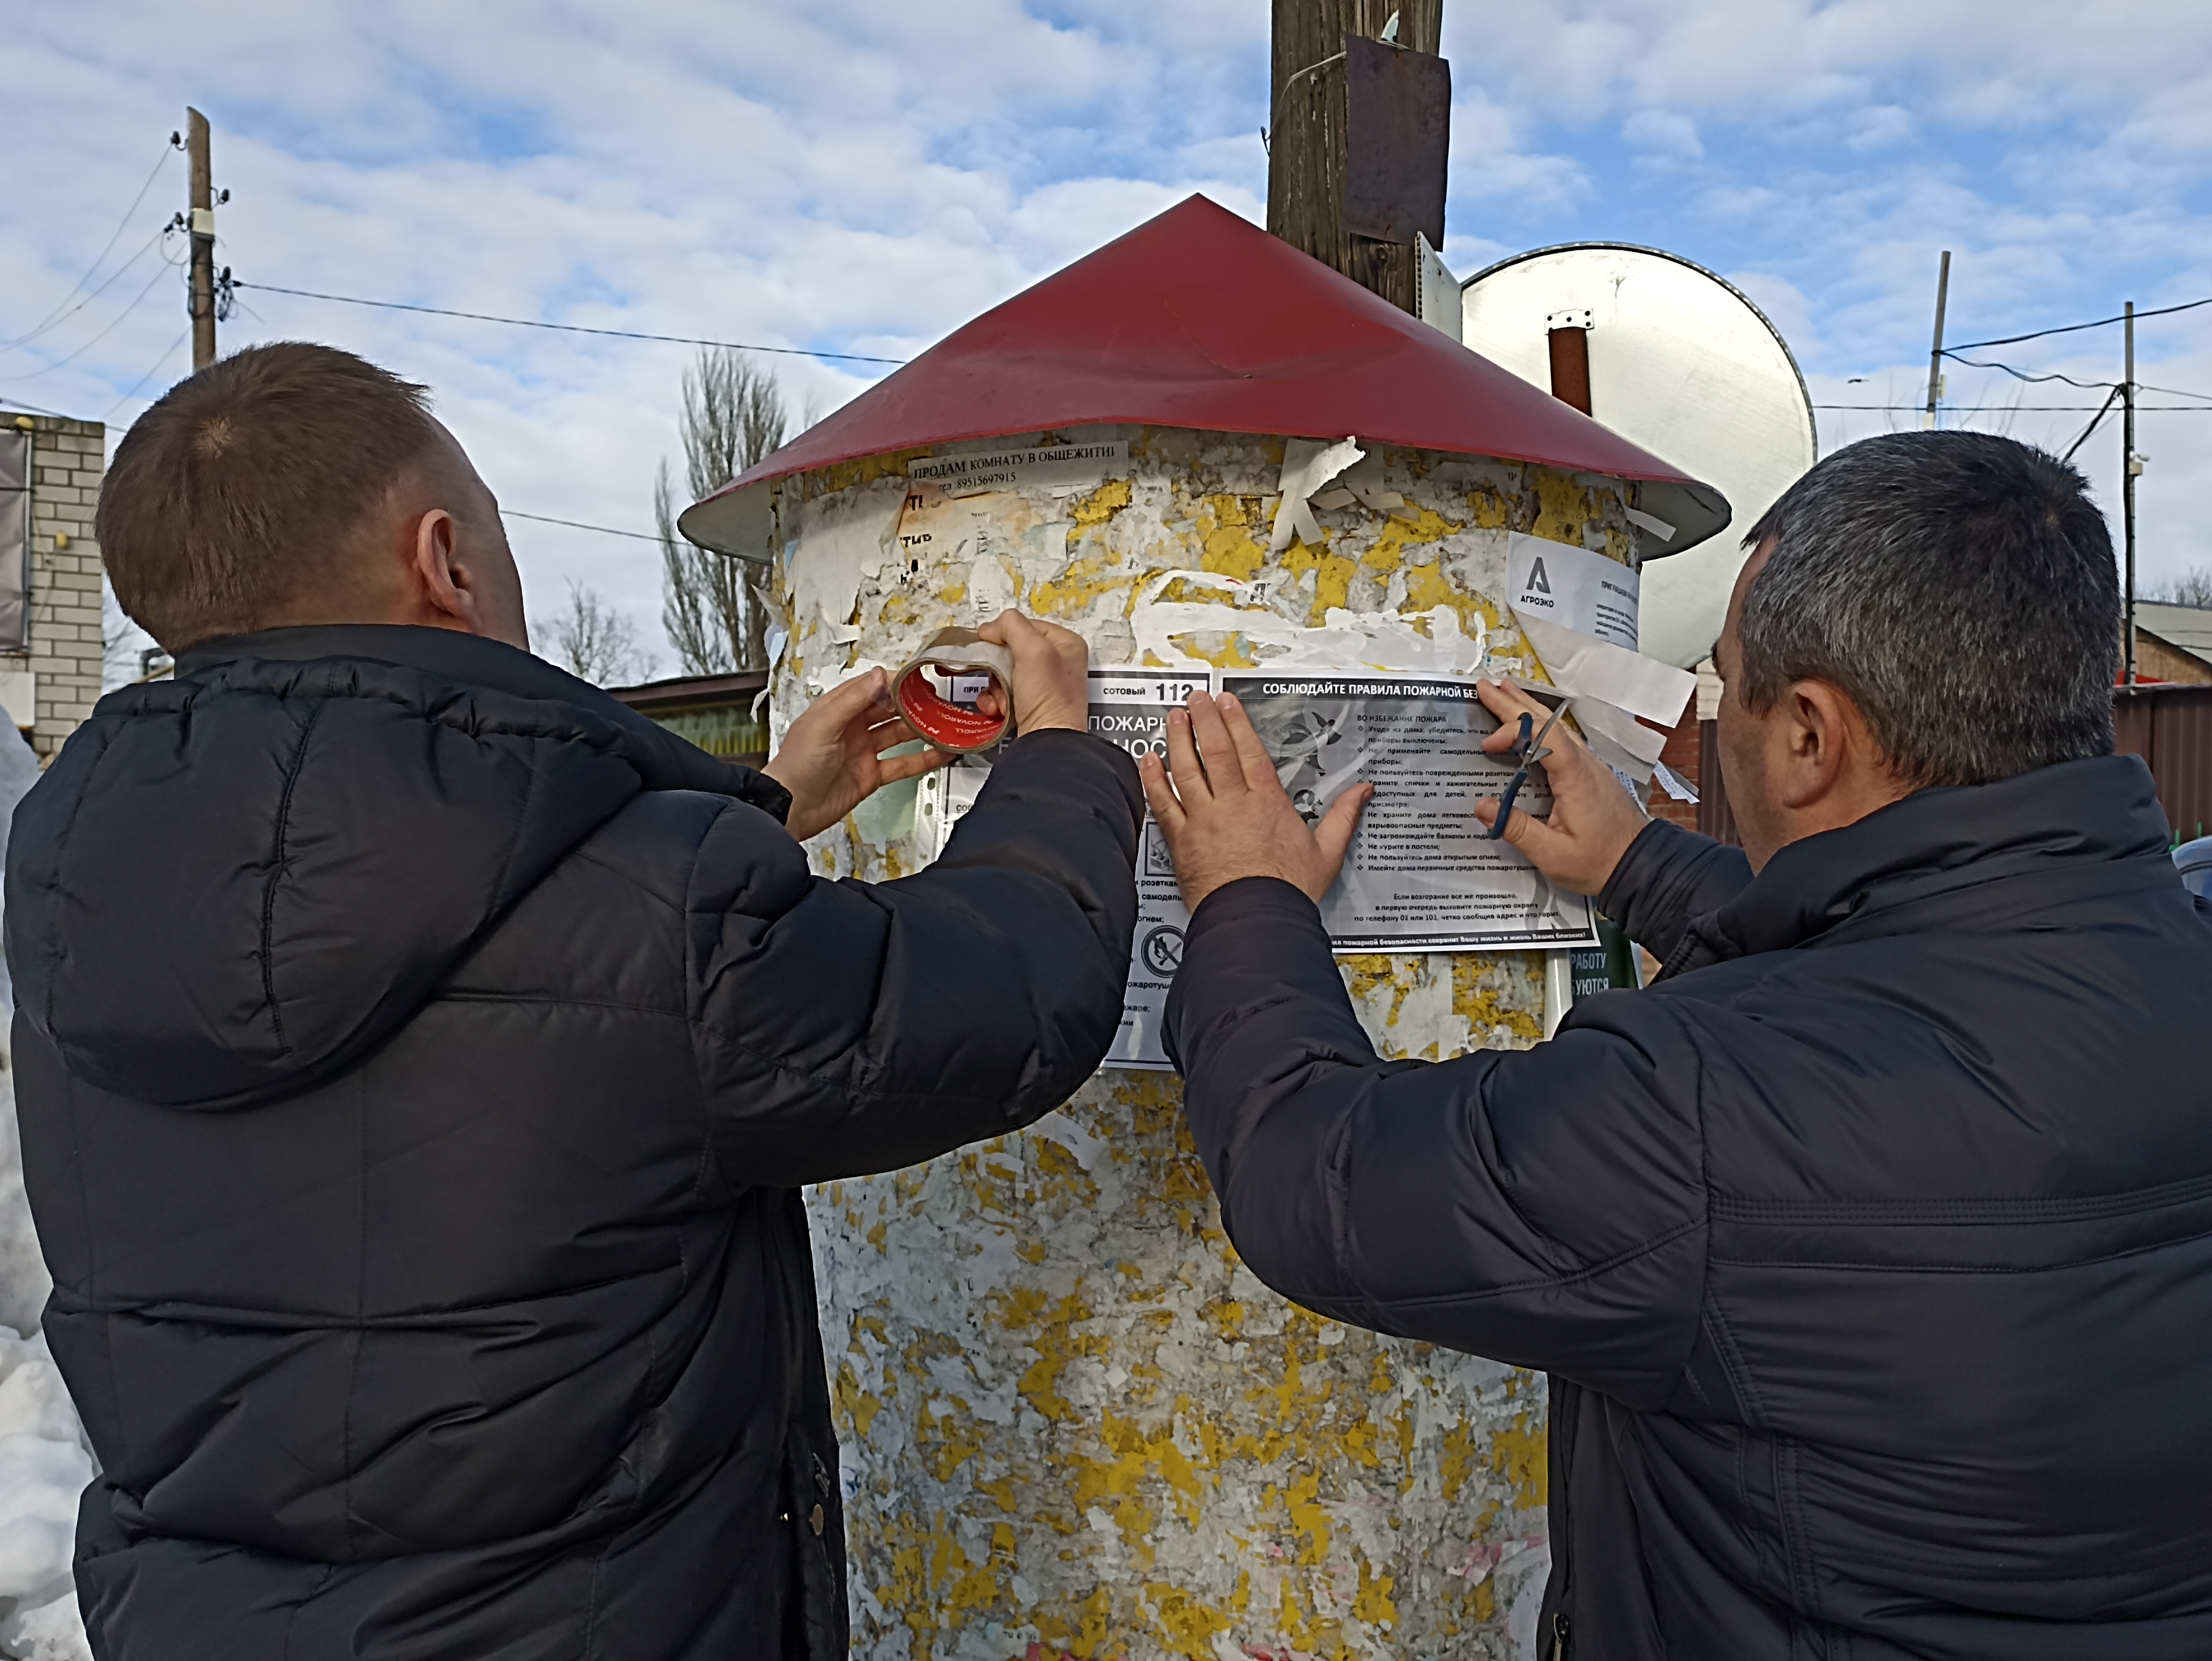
(2093,420)
(96,340)
(577,525)
(2008,408)
(148,376)
(121,226)
(53,322)
(2022,375)
(568,328)
(2075,328)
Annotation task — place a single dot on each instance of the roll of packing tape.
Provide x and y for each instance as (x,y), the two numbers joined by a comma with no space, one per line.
(937,719)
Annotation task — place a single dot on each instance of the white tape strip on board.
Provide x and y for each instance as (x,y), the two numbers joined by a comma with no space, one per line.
(1586,666)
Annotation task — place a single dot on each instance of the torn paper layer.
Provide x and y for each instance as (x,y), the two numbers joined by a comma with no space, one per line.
(1424,643)
(1633,772)
(1572,587)
(1586,666)
(992,534)
(1308,464)
(1596,716)
(844,537)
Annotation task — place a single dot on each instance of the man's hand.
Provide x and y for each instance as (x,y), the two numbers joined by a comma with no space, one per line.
(833,758)
(1231,817)
(1052,669)
(1593,819)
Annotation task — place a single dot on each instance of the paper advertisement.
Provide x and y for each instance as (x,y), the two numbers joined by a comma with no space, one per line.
(1053,467)
(1572,589)
(1423,873)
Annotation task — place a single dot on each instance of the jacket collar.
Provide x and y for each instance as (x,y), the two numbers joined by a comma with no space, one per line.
(471,659)
(2053,827)
(664,761)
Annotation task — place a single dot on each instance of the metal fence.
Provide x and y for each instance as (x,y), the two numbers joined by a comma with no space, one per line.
(2171,728)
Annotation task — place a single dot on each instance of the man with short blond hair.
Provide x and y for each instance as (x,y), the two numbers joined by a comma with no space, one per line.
(419,1056)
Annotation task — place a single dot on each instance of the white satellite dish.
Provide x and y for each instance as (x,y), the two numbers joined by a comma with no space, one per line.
(1680,362)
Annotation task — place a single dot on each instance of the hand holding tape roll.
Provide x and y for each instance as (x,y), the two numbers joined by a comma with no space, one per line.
(938,720)
(1037,669)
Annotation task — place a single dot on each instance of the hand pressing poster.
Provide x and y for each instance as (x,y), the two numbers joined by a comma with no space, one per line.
(1423,873)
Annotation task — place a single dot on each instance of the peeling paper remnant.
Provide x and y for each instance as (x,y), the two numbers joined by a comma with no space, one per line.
(844,537)
(1347,641)
(1308,464)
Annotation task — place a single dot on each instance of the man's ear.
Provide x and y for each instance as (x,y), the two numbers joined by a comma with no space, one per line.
(444,587)
(1822,735)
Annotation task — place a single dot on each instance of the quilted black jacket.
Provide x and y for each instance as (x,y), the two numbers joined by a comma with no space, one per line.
(419,1054)
(1870,1252)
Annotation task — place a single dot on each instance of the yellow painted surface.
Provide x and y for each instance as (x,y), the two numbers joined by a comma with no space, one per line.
(1074,1424)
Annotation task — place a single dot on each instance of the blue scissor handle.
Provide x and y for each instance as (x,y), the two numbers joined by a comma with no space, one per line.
(1513,785)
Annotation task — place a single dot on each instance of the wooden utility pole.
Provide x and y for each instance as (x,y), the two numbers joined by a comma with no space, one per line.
(203,235)
(2130,466)
(1935,352)
(1306,134)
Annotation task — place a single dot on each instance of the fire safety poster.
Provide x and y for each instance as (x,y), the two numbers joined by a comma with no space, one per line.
(1423,873)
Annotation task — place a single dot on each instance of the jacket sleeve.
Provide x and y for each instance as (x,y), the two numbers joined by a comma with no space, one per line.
(844,1027)
(1544,1208)
(1668,878)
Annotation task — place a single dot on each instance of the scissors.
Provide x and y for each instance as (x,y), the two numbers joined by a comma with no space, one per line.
(1531,751)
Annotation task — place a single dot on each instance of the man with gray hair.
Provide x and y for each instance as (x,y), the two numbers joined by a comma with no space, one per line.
(1870,1248)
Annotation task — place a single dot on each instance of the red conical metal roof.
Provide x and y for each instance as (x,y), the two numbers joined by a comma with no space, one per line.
(1200,319)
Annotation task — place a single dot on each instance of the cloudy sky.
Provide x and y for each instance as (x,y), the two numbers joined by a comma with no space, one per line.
(865,177)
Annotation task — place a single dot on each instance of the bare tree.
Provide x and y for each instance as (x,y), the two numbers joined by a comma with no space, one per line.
(128,652)
(2192,588)
(597,642)
(711,605)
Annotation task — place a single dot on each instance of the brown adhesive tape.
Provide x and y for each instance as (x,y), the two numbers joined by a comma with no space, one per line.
(938,720)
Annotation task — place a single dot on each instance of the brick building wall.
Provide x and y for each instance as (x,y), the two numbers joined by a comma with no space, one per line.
(1684,750)
(68,460)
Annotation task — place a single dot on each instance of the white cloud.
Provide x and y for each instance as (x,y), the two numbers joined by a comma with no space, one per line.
(864,175)
(859,177)
(1668,132)
(1488,162)
(1880,126)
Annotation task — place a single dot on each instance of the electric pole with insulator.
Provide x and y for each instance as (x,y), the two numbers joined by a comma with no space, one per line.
(202,234)
(1935,352)
(1360,109)
(2133,466)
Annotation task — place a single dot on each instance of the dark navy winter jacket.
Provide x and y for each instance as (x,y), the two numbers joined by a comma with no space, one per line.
(419,1054)
(1870,1250)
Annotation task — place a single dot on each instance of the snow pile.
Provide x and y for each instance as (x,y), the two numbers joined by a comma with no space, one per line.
(44,1466)
(44,1463)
